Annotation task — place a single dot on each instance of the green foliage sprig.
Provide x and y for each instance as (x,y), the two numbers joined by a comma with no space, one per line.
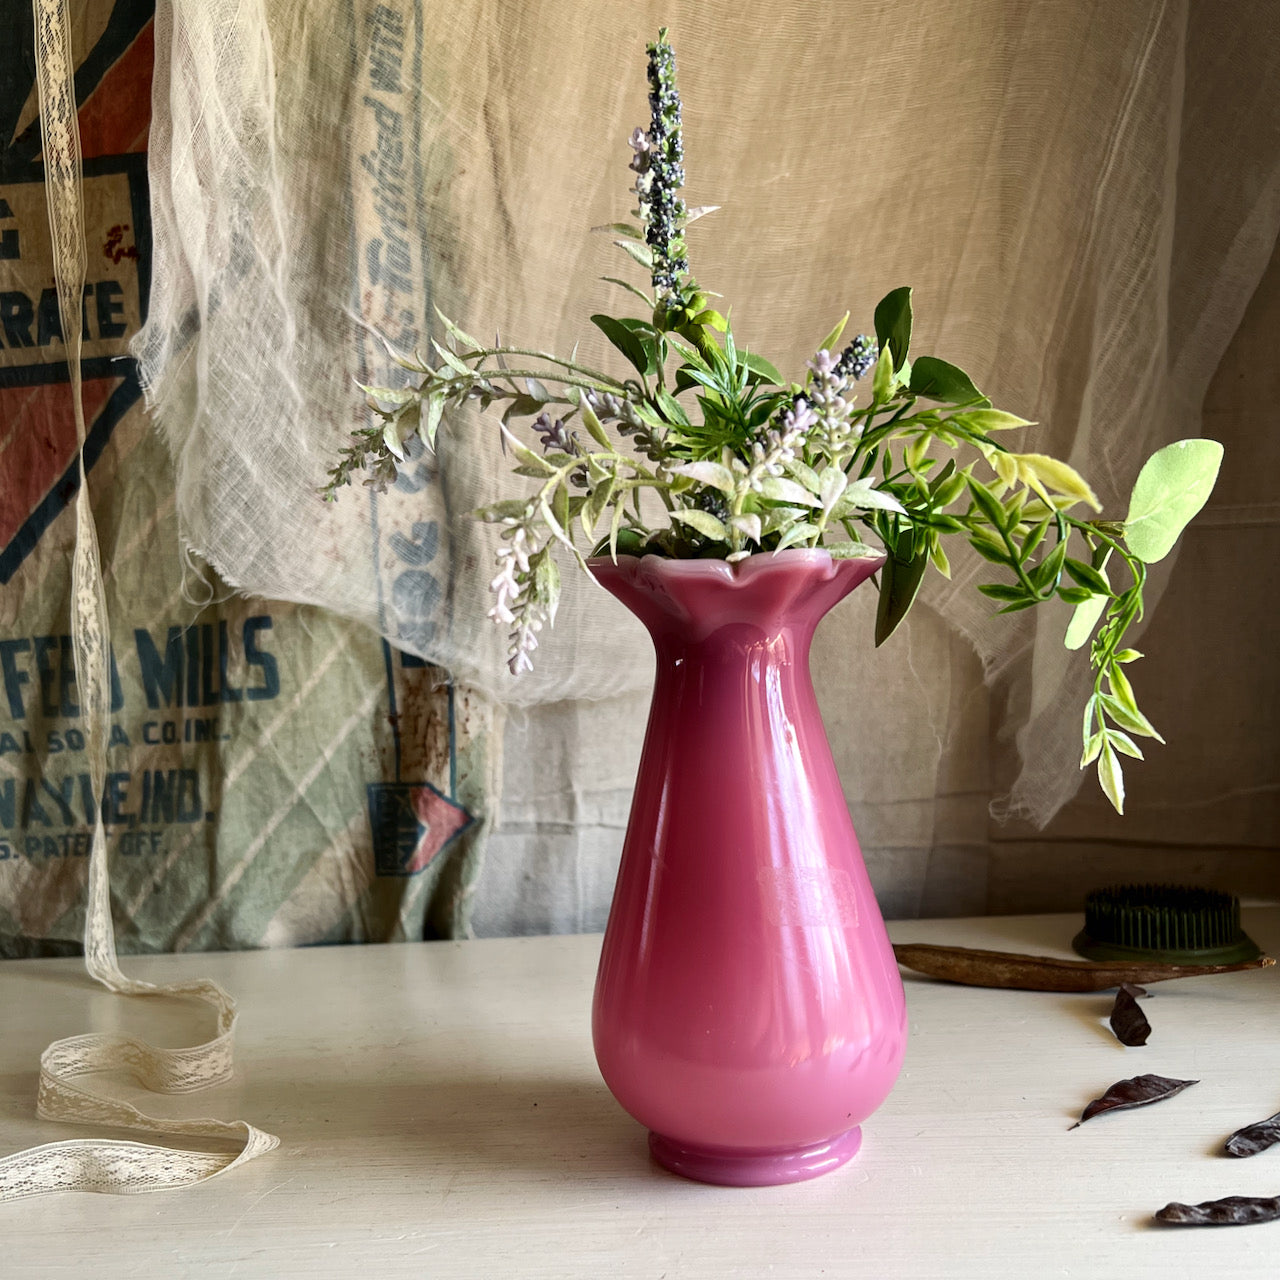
(740,461)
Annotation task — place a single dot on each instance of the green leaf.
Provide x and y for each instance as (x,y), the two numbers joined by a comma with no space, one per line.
(862,495)
(989,549)
(458,335)
(829,342)
(630,288)
(1075,595)
(672,408)
(1013,509)
(1034,538)
(1172,486)
(521,407)
(637,325)
(641,253)
(687,376)
(1090,711)
(779,519)
(899,584)
(780,489)
(689,352)
(1123,743)
(893,324)
(703,522)
(935,379)
(805,474)
(507,509)
(730,356)
(833,483)
(546,585)
(561,506)
(550,518)
(852,551)
(800,532)
(938,558)
(430,422)
(759,365)
(627,342)
(589,420)
(712,319)
(1087,576)
(1049,570)
(946,489)
(1121,689)
(1002,591)
(1091,749)
(988,420)
(882,378)
(699,211)
(708,473)
(1084,620)
(1112,778)
(1039,470)
(595,505)
(621,229)
(987,503)
(389,395)
(450,359)
(539,465)
(1133,721)
(615,524)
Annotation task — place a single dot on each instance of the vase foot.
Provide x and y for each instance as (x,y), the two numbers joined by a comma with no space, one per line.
(726,1167)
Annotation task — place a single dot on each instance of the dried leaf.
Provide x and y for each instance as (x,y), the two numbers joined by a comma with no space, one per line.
(1127,1020)
(1140,1091)
(1014,971)
(1233,1211)
(1254,1137)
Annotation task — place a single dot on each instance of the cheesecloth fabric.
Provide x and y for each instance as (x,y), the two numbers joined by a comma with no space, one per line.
(1084,198)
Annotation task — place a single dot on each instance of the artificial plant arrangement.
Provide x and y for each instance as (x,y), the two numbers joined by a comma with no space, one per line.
(741,461)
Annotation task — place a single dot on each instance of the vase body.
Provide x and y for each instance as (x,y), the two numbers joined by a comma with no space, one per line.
(748,1009)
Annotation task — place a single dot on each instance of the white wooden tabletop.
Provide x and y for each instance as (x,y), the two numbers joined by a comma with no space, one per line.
(441,1116)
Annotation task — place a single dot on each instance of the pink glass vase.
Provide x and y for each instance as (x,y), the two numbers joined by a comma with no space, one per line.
(748,1009)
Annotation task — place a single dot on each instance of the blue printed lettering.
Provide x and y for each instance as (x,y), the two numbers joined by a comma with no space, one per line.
(265,662)
(14,677)
(160,679)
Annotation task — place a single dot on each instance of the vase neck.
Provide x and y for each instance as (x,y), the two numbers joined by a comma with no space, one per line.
(699,609)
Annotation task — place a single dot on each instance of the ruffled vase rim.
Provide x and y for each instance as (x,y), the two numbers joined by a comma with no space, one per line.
(739,572)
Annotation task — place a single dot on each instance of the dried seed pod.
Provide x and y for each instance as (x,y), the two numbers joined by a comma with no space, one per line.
(975,967)
(1254,1137)
(1128,1021)
(1140,1091)
(1233,1211)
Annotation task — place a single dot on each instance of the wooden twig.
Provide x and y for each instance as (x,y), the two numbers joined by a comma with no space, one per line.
(976,968)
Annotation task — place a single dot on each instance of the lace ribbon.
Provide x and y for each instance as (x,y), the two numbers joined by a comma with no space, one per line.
(97,1164)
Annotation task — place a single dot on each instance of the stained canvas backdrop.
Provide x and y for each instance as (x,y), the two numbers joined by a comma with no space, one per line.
(1084,200)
